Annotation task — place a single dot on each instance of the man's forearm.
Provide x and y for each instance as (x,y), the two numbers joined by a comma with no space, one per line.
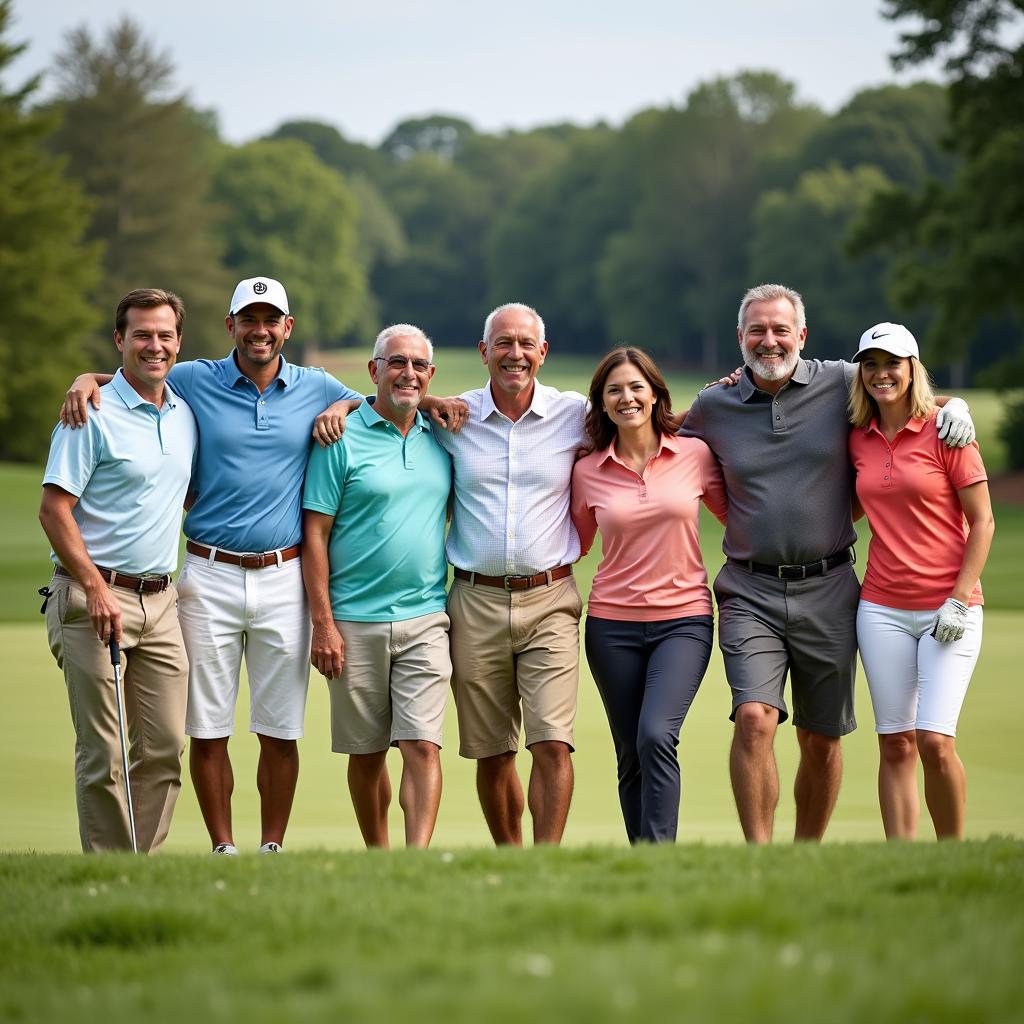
(66,540)
(316,574)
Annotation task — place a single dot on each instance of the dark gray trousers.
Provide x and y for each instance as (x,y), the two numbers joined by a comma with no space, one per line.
(648,674)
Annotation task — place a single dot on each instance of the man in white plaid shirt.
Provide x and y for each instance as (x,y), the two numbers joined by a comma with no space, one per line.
(514,606)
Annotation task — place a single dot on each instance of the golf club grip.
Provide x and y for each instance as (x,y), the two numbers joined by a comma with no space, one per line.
(115,651)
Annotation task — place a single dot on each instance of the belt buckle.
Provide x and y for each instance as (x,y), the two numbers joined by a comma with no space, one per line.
(506,584)
(791,572)
(259,559)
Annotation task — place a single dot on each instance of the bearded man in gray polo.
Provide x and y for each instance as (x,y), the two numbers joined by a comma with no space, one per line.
(787,595)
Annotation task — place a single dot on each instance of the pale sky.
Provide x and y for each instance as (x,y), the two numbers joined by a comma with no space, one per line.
(364,67)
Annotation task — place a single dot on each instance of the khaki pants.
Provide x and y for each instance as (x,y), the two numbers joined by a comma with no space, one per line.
(154,670)
(515,660)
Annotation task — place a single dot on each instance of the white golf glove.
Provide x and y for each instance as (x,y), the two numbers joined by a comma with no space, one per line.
(954,423)
(950,621)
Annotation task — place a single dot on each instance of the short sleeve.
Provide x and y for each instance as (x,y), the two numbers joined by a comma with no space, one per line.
(583,517)
(74,455)
(714,496)
(693,425)
(964,466)
(325,478)
(336,391)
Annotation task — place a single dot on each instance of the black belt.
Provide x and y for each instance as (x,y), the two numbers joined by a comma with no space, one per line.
(140,584)
(798,572)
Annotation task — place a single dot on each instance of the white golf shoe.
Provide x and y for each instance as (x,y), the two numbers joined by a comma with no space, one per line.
(270,848)
(226,850)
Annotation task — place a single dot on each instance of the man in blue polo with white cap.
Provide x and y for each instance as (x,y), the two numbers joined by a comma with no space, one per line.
(240,589)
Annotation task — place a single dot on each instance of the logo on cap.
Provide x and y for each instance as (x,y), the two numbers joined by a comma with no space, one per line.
(259,288)
(874,334)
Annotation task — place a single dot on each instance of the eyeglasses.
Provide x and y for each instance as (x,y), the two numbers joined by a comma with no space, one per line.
(398,363)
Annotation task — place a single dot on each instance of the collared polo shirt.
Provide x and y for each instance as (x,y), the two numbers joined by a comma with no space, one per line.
(511,509)
(907,489)
(651,567)
(389,496)
(253,449)
(783,457)
(129,466)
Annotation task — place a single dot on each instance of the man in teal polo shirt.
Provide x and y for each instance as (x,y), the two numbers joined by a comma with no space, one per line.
(374,569)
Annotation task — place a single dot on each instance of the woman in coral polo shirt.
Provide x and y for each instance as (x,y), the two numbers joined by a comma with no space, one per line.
(649,620)
(919,622)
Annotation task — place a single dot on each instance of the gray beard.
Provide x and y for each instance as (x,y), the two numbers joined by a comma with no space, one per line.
(771,371)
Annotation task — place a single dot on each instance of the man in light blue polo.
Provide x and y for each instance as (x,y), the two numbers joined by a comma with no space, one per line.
(374,565)
(241,587)
(111,508)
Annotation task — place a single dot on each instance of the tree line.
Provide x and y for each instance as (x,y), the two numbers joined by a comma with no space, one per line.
(907,203)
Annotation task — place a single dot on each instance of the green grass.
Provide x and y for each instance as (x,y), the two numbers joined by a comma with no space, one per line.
(843,933)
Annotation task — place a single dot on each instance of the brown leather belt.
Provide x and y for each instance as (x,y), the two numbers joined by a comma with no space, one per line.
(140,584)
(516,582)
(245,559)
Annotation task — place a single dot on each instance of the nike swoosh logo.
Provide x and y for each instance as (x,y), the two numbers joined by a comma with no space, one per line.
(877,334)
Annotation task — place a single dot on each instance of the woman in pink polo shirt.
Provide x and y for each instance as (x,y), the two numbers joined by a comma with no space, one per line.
(649,621)
(919,622)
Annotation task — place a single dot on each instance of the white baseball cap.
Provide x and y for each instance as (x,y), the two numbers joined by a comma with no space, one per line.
(892,338)
(259,289)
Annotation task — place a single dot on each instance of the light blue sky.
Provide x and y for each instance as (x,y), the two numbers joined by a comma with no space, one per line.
(364,67)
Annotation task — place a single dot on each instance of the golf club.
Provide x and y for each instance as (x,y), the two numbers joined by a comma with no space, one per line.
(115,660)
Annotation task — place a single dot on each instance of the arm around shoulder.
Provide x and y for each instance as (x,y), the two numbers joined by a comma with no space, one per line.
(84,391)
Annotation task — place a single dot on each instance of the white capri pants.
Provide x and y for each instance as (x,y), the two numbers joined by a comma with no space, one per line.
(227,612)
(915,682)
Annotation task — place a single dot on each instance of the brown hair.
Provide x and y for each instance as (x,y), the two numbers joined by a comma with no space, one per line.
(601,429)
(863,408)
(149,298)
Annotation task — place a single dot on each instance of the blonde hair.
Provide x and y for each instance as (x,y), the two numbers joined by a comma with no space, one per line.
(863,408)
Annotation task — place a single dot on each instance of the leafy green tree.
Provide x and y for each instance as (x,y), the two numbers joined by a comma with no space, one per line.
(959,246)
(289,216)
(543,247)
(46,270)
(441,284)
(142,155)
(899,129)
(334,149)
(439,134)
(380,245)
(380,238)
(673,278)
(799,237)
(504,163)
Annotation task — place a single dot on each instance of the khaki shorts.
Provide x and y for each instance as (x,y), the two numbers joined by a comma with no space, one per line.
(393,685)
(512,647)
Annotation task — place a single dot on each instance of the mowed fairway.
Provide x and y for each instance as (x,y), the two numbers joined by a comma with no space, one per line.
(841,933)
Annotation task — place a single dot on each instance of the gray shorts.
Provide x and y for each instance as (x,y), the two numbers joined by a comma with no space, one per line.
(808,628)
